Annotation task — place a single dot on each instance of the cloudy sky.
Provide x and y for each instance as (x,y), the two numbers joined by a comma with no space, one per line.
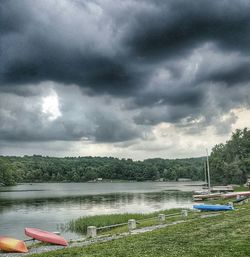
(131,79)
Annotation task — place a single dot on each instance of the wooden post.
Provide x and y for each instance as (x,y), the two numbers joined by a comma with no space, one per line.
(184,213)
(131,224)
(161,218)
(91,231)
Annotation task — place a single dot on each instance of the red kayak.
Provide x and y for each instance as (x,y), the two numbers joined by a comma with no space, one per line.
(45,236)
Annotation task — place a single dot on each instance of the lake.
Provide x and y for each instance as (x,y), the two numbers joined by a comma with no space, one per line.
(50,206)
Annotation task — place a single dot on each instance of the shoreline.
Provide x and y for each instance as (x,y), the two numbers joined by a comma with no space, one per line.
(81,242)
(154,240)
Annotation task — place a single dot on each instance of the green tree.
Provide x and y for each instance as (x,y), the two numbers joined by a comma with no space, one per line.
(230,162)
(6,176)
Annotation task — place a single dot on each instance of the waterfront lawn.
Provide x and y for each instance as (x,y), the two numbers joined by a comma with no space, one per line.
(226,235)
(241,188)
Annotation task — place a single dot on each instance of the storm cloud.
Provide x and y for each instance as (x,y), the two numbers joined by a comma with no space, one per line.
(35,119)
(119,69)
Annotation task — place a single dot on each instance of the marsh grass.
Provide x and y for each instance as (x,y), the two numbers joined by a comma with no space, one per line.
(80,225)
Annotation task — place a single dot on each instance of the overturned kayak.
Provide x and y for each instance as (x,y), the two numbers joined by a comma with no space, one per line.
(213,207)
(8,244)
(236,194)
(207,196)
(45,236)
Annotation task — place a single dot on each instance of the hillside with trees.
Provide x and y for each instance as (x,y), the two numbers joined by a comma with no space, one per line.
(230,162)
(81,169)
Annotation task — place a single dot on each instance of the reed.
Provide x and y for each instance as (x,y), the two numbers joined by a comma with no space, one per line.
(80,225)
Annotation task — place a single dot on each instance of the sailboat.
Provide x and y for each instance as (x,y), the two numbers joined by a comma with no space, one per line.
(205,194)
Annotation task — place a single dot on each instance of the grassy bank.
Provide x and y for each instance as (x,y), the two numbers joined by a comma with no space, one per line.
(226,235)
(241,188)
(80,225)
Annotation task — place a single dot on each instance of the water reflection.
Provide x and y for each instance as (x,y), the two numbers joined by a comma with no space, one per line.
(89,202)
(51,210)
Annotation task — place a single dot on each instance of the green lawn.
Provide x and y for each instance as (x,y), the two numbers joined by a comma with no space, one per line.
(227,235)
(241,188)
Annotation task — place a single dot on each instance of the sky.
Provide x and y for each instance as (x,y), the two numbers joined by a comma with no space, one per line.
(130,79)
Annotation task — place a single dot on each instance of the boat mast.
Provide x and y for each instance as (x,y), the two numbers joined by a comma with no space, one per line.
(205,173)
(208,172)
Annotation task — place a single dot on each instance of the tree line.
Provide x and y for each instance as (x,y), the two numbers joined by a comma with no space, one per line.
(81,169)
(229,163)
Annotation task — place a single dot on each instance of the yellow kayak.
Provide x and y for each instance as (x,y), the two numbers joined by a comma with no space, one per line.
(8,244)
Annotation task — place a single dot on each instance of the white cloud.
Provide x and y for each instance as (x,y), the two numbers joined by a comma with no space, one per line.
(50,106)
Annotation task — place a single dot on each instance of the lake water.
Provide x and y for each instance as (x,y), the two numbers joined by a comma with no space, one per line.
(51,206)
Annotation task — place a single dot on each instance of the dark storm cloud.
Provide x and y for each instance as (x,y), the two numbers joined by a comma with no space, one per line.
(172,97)
(35,48)
(216,102)
(181,62)
(240,73)
(176,27)
(101,75)
(10,18)
(158,114)
(22,119)
(112,130)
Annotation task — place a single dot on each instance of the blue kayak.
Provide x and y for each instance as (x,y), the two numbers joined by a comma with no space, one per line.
(213,207)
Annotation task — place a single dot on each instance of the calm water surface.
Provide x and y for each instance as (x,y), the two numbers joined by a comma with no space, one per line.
(52,206)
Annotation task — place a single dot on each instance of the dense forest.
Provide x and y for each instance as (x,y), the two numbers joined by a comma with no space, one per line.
(229,163)
(80,169)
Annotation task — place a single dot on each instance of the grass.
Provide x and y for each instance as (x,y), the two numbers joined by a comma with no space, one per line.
(147,223)
(226,235)
(241,188)
(80,225)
